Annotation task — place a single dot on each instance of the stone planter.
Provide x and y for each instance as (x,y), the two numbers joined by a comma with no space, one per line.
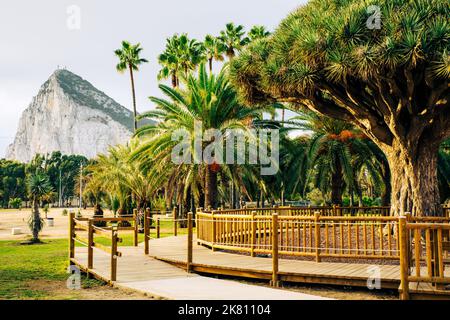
(50,222)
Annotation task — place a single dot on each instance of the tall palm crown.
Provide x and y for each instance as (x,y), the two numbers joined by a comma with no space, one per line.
(180,56)
(38,186)
(129,58)
(258,32)
(233,37)
(206,98)
(214,50)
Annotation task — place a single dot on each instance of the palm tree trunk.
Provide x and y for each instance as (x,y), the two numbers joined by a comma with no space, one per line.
(36,221)
(174,80)
(262,199)
(386,195)
(210,60)
(337,184)
(210,187)
(232,202)
(134,97)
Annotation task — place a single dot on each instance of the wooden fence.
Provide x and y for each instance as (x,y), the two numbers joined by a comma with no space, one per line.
(79,227)
(311,210)
(305,211)
(424,246)
(305,236)
(420,244)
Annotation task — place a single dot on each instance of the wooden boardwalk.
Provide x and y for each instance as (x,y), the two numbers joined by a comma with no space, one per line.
(173,250)
(159,279)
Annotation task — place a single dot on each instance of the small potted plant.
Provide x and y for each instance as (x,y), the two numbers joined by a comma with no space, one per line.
(50,221)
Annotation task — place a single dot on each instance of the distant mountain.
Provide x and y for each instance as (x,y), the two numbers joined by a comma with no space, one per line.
(70,115)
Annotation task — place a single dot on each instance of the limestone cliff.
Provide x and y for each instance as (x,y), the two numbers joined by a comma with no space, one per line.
(70,115)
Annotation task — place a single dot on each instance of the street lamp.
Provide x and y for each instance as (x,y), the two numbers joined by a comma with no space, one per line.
(81,185)
(60,195)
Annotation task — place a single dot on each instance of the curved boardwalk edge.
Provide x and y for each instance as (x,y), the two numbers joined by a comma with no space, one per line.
(173,250)
(162,280)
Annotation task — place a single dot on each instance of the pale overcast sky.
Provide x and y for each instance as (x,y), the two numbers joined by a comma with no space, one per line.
(35,39)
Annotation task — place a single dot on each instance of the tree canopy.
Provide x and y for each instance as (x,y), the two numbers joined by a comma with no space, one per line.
(391,81)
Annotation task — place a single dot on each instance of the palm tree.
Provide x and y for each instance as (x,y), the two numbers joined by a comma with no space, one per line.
(214,50)
(233,38)
(169,61)
(293,172)
(207,99)
(38,187)
(181,56)
(191,54)
(338,153)
(258,32)
(129,59)
(107,175)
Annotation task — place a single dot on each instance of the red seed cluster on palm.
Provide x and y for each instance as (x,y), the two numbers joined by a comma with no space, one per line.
(345,135)
(215,167)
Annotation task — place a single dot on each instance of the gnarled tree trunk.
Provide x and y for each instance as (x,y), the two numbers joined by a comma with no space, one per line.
(414,178)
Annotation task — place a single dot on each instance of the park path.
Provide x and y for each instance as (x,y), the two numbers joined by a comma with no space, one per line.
(156,278)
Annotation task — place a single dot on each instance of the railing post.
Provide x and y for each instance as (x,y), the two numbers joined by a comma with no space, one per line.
(158,228)
(175,222)
(404,261)
(275,281)
(71,236)
(253,235)
(114,254)
(317,234)
(197,225)
(214,231)
(136,227)
(90,244)
(189,244)
(146,230)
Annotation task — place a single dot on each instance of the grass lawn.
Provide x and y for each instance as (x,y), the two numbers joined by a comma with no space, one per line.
(39,271)
(29,271)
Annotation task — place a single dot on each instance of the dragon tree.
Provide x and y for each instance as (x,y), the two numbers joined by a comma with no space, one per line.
(382,65)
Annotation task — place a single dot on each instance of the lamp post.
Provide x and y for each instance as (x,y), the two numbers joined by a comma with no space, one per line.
(60,195)
(81,185)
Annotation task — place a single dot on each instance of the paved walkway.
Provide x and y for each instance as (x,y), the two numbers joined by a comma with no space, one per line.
(138,272)
(173,250)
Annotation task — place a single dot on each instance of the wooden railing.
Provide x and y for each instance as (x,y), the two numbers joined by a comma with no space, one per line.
(309,211)
(306,236)
(88,227)
(420,244)
(323,210)
(424,245)
(150,219)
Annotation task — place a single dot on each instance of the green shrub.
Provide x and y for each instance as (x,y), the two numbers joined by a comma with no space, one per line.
(15,203)
(316,197)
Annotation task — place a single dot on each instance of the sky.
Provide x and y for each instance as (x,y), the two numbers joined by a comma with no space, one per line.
(38,36)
